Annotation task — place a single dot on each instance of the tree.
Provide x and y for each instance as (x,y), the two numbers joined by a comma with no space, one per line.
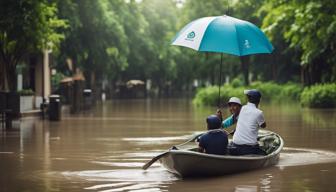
(160,63)
(96,40)
(309,27)
(138,40)
(26,26)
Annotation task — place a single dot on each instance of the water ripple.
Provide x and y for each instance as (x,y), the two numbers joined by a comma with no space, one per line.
(301,156)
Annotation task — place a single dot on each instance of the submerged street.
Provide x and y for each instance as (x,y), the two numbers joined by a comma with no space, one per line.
(103,149)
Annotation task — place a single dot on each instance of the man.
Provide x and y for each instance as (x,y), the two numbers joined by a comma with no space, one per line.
(215,141)
(234,107)
(244,140)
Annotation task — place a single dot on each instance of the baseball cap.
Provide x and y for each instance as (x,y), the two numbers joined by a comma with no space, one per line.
(234,100)
(213,121)
(253,93)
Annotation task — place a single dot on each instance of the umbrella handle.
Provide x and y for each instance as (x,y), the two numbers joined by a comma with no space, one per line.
(220,81)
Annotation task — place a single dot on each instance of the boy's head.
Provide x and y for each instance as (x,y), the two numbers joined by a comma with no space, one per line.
(234,105)
(213,122)
(253,96)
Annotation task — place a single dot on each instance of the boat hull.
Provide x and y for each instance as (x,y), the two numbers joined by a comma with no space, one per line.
(188,163)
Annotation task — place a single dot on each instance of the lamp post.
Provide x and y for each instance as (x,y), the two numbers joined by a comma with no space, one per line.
(45,76)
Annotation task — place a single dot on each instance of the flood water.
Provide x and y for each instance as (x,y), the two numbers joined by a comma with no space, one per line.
(104,149)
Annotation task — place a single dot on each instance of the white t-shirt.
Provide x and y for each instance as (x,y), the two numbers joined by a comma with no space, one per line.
(250,118)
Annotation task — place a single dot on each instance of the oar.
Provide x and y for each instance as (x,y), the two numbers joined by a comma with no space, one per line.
(149,163)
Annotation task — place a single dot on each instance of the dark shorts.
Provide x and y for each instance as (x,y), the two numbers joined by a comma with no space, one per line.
(235,149)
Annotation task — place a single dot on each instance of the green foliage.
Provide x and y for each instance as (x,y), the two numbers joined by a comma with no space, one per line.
(96,40)
(309,27)
(118,40)
(319,96)
(209,95)
(26,27)
(26,92)
(161,17)
(56,79)
(206,96)
(270,92)
(292,91)
(237,82)
(276,92)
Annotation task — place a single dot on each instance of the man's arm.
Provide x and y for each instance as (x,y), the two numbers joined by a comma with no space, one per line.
(201,147)
(261,121)
(228,122)
(219,114)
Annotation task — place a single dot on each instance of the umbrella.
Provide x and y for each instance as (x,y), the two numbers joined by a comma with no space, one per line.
(134,82)
(223,34)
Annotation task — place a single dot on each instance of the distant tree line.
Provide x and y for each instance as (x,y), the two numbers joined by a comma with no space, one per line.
(119,40)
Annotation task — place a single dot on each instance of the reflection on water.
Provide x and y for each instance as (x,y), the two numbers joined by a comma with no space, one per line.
(318,119)
(103,150)
(156,174)
(246,188)
(265,182)
(125,179)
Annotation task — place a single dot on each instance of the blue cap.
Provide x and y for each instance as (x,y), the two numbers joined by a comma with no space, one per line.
(213,122)
(253,93)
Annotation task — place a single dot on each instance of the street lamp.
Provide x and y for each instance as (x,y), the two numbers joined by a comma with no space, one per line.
(45,76)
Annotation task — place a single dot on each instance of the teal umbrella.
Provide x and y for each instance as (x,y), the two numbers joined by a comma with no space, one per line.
(223,34)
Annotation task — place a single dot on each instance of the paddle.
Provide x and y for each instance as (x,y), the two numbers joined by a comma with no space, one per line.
(149,163)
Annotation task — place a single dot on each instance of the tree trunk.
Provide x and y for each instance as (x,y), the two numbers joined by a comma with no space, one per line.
(274,71)
(303,81)
(8,76)
(93,80)
(3,75)
(12,79)
(213,75)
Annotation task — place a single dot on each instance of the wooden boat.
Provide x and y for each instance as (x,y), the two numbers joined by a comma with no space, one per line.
(185,161)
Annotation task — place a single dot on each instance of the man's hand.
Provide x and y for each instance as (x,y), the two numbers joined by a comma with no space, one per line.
(219,114)
(232,132)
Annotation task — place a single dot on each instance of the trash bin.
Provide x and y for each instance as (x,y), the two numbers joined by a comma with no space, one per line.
(55,108)
(87,95)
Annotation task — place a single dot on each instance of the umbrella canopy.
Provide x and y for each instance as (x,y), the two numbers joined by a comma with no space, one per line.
(223,34)
(134,82)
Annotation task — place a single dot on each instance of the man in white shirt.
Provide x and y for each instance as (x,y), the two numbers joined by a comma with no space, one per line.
(244,140)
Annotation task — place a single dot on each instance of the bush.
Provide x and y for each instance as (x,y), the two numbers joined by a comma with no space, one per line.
(209,95)
(275,92)
(206,96)
(237,82)
(56,79)
(319,96)
(270,92)
(291,91)
(26,92)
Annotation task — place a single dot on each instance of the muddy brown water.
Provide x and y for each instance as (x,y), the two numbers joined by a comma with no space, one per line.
(104,149)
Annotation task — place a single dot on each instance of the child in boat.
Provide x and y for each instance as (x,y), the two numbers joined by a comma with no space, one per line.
(215,141)
(234,107)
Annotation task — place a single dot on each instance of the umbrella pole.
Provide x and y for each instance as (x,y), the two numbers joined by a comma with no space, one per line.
(220,81)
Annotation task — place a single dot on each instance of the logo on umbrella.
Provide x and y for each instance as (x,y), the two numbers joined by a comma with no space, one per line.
(247,44)
(191,36)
